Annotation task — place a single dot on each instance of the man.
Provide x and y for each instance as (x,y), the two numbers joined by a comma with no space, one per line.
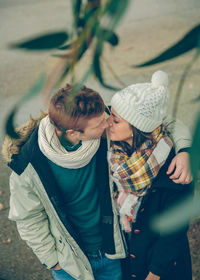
(61,192)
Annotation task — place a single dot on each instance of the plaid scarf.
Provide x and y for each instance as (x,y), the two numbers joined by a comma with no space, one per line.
(134,175)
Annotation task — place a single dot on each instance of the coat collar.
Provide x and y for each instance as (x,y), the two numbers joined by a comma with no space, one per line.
(21,160)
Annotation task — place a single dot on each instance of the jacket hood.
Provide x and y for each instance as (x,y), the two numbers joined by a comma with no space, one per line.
(12,146)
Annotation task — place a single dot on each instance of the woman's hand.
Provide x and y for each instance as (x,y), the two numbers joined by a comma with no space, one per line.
(152,276)
(180,166)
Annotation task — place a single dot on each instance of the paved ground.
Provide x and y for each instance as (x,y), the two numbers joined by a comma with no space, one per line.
(148,28)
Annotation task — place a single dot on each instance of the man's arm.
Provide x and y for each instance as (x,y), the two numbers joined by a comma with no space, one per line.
(179,167)
(32,222)
(179,133)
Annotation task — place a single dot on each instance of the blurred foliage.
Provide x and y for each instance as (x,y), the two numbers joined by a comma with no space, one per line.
(42,43)
(89,32)
(182,213)
(36,88)
(90,19)
(189,42)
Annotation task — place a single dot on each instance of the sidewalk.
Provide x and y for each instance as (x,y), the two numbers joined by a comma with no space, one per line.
(145,31)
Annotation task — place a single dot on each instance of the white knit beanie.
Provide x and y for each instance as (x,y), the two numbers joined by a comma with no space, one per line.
(144,105)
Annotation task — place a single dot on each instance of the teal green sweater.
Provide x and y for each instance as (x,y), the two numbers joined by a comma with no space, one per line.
(78,187)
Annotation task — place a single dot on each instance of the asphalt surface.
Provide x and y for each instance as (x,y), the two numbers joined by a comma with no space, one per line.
(148,28)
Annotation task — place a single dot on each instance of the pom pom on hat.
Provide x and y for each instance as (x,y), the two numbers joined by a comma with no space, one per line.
(144,105)
(159,78)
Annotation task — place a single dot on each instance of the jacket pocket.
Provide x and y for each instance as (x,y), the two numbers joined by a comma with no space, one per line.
(60,244)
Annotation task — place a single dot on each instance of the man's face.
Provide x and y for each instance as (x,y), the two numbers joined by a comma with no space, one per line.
(94,128)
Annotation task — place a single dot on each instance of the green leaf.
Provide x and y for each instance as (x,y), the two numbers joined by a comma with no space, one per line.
(181,214)
(9,127)
(97,67)
(198,43)
(65,72)
(81,23)
(58,55)
(116,9)
(65,47)
(43,42)
(78,86)
(96,62)
(115,6)
(76,8)
(109,36)
(91,12)
(197,99)
(187,43)
(195,150)
(35,89)
(82,49)
(178,216)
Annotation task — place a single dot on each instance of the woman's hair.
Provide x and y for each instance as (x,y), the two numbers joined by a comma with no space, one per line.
(64,107)
(139,138)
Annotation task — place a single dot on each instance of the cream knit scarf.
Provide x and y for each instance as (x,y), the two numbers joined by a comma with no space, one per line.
(51,147)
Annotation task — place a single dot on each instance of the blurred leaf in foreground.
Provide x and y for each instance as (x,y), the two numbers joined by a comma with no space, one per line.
(110,37)
(43,42)
(177,216)
(195,151)
(116,9)
(187,43)
(35,89)
(97,67)
(10,130)
(183,212)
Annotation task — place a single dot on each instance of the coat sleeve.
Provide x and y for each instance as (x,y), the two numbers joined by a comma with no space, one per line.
(168,247)
(32,222)
(179,133)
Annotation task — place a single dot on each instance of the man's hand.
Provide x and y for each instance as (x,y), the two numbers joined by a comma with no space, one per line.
(180,167)
(56,267)
(152,276)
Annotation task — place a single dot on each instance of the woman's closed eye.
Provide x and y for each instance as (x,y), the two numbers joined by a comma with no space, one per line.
(114,118)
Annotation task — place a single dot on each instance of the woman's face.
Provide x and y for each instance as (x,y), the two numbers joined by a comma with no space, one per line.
(119,129)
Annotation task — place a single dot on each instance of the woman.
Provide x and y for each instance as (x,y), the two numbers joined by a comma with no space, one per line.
(139,157)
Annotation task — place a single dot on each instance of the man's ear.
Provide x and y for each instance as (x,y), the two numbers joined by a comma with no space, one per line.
(72,133)
(59,132)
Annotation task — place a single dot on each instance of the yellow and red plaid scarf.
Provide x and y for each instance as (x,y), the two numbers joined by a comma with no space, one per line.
(134,175)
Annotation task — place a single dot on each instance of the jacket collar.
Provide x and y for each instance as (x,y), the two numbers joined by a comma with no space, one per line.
(21,160)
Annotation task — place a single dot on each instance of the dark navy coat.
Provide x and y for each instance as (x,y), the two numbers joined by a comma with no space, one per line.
(166,255)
